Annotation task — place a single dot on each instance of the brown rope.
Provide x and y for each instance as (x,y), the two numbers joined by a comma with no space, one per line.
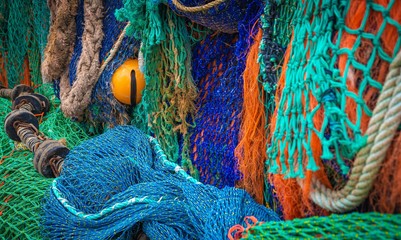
(201,8)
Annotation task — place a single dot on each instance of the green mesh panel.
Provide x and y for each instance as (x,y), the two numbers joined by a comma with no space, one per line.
(168,98)
(21,187)
(6,145)
(349,226)
(17,42)
(41,14)
(24,26)
(277,26)
(313,74)
(3,31)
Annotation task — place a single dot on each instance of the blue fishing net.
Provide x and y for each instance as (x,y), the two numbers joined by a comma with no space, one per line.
(121,181)
(104,109)
(217,68)
(223,17)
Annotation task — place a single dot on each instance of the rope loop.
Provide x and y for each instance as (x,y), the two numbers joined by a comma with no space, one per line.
(382,127)
(201,8)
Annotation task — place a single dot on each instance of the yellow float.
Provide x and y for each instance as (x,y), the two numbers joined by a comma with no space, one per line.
(128,82)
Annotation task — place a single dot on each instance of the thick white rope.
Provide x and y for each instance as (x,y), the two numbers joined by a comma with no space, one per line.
(381,130)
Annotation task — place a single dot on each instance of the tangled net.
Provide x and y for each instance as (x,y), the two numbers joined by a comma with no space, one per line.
(125,181)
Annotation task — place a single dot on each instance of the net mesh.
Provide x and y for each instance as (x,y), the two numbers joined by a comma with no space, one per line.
(332,75)
(348,226)
(167,107)
(17,26)
(21,188)
(5,143)
(23,36)
(329,104)
(218,64)
(126,180)
(224,17)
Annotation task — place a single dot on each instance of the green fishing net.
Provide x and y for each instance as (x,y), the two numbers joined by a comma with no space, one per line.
(335,72)
(6,145)
(167,108)
(21,187)
(24,25)
(348,226)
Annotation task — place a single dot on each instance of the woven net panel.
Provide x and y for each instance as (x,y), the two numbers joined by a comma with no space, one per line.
(218,64)
(104,107)
(168,102)
(104,110)
(217,123)
(17,46)
(21,192)
(6,145)
(22,188)
(348,226)
(23,35)
(336,69)
(3,40)
(223,17)
(277,25)
(126,182)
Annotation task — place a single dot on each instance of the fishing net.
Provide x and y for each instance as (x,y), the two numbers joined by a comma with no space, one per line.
(224,16)
(218,64)
(24,28)
(332,76)
(22,188)
(105,110)
(126,182)
(359,53)
(260,80)
(5,143)
(348,226)
(277,25)
(167,107)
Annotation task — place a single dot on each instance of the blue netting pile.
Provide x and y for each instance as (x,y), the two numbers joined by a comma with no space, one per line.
(224,17)
(217,68)
(116,183)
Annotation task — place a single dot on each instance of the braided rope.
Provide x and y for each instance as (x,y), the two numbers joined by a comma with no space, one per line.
(76,99)
(382,128)
(114,49)
(201,8)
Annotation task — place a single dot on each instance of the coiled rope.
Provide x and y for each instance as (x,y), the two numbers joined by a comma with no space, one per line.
(201,8)
(382,128)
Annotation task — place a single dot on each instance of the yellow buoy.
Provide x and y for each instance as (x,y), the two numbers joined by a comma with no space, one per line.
(128,82)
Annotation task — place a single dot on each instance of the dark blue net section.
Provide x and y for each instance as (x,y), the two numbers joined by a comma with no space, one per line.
(104,107)
(79,19)
(218,64)
(224,17)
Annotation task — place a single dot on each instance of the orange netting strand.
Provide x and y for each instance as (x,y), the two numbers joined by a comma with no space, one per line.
(251,149)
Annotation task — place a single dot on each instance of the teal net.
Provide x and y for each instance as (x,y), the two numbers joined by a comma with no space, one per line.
(336,69)
(17,41)
(6,145)
(24,25)
(167,107)
(114,184)
(348,226)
